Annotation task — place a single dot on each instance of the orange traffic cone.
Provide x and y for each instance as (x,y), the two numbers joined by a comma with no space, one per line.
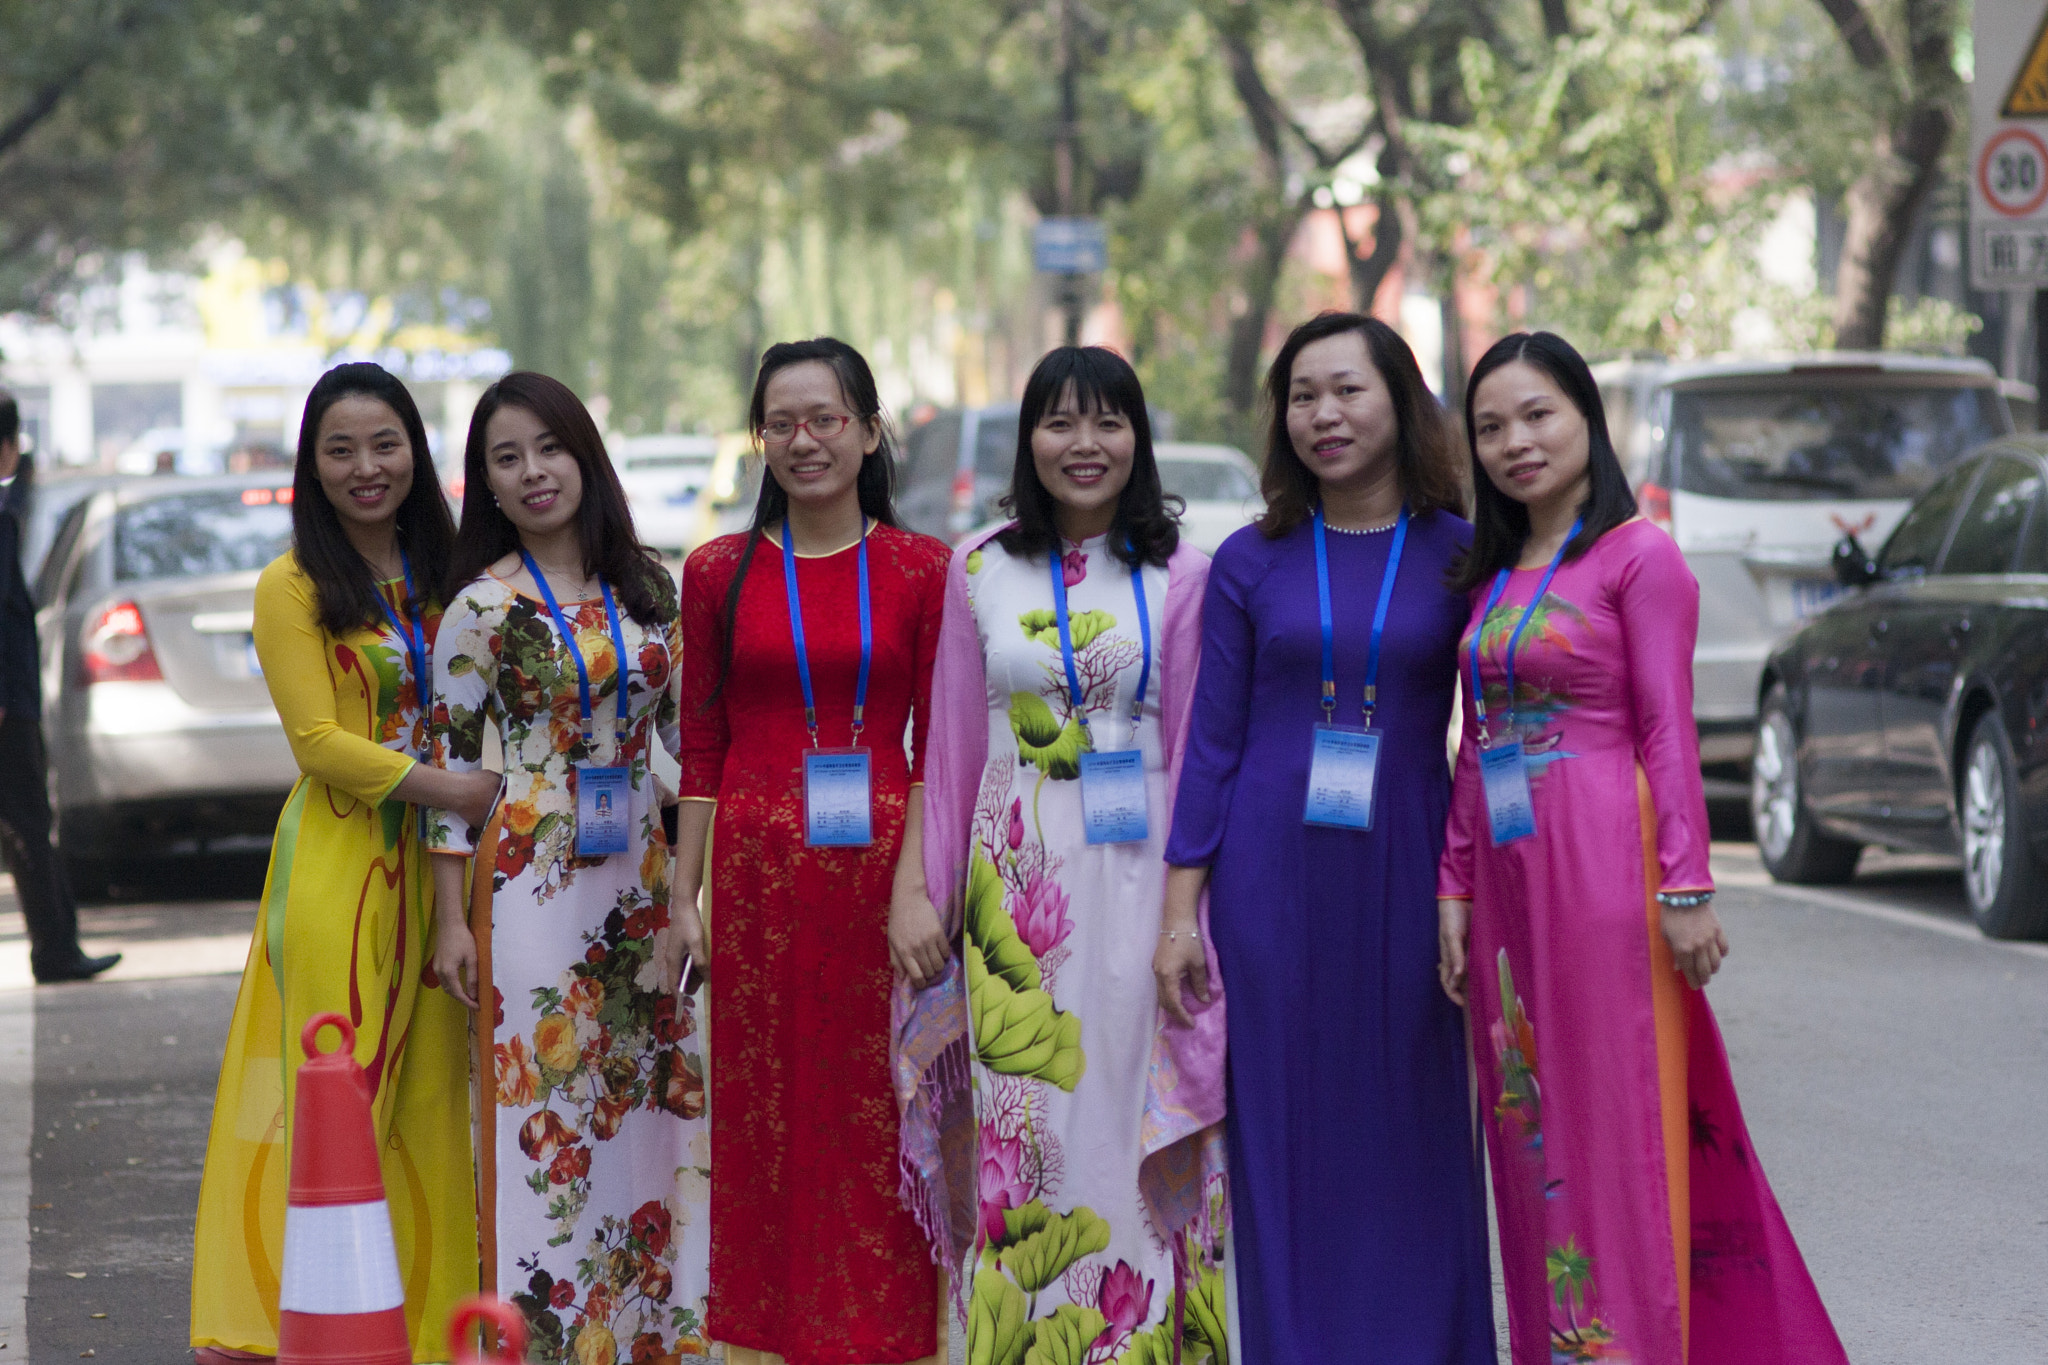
(340,1300)
(507,1321)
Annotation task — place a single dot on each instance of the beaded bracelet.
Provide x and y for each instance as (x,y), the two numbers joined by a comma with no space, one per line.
(1684,900)
(1171,934)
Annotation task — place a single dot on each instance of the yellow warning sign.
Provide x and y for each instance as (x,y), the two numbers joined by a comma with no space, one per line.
(2028,97)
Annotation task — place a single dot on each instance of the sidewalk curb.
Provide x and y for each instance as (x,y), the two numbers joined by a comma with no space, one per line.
(17,1131)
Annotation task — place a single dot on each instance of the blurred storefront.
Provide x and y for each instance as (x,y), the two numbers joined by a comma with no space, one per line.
(207,373)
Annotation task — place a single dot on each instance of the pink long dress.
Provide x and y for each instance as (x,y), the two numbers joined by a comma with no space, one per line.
(1635,1220)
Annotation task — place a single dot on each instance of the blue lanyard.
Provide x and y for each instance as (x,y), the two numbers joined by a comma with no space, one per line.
(803,656)
(611,611)
(415,637)
(1379,617)
(1059,607)
(1500,584)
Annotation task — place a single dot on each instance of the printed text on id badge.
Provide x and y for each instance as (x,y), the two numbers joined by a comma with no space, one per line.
(1113,797)
(1504,778)
(604,798)
(1343,768)
(838,798)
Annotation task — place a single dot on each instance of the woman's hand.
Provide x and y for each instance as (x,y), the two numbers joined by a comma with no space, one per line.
(479,791)
(687,939)
(668,952)
(1697,942)
(1180,964)
(917,938)
(455,960)
(1453,926)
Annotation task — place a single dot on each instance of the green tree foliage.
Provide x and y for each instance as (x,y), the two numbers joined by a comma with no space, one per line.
(133,124)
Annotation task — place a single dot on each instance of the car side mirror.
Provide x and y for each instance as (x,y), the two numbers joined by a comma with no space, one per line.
(1854,568)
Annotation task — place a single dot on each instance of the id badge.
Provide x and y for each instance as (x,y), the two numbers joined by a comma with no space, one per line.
(1504,774)
(603,798)
(1113,805)
(838,798)
(1343,767)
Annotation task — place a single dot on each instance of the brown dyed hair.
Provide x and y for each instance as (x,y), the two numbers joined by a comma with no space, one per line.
(611,550)
(1425,447)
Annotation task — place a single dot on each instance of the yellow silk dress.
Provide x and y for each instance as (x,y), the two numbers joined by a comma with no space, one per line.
(346,924)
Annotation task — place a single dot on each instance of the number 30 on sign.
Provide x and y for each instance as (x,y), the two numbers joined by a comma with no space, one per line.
(2012,172)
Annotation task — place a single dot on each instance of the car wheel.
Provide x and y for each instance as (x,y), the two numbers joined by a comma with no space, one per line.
(1793,849)
(2007,892)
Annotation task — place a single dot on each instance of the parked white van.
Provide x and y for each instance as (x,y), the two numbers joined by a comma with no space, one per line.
(1758,466)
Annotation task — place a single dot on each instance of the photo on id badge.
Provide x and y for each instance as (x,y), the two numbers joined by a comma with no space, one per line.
(601,811)
(838,798)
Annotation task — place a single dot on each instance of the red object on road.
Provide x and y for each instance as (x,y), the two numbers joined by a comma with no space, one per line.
(509,1323)
(340,1299)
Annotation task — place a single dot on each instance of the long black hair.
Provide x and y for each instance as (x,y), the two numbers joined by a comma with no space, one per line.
(875,484)
(1425,458)
(1146,529)
(611,550)
(343,581)
(1500,525)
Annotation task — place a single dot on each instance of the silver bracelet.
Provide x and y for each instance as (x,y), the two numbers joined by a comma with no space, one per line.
(1684,900)
(1171,934)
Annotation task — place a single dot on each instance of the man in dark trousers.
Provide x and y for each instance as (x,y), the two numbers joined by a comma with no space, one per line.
(40,881)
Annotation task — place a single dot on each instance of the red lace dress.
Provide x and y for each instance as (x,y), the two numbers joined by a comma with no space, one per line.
(812,1254)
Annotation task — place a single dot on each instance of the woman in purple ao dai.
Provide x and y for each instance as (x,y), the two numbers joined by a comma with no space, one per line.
(1355,1189)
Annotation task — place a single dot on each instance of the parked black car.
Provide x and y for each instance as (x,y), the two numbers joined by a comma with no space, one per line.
(1913,713)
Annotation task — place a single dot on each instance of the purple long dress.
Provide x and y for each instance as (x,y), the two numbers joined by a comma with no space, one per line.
(1360,1231)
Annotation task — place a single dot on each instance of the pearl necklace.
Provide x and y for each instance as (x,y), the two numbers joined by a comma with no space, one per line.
(1361,530)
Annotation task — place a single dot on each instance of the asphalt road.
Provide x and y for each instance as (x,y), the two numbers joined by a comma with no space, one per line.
(1893,1067)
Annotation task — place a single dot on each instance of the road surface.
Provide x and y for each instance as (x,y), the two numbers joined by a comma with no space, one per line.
(1893,1066)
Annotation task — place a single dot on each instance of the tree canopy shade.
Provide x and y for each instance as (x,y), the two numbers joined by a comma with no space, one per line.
(131,123)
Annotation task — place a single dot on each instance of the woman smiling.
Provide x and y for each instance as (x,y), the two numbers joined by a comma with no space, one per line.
(1312,805)
(1060,710)
(343,628)
(594,1148)
(808,658)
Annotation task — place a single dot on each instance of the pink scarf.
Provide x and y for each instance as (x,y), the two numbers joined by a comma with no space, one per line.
(930,1047)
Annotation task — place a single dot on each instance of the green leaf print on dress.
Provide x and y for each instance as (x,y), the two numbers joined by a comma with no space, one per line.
(1044,1256)
(1017,1031)
(1066,1336)
(1045,743)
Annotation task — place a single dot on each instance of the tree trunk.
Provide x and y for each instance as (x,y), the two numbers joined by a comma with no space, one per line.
(1248,329)
(1881,207)
(1369,271)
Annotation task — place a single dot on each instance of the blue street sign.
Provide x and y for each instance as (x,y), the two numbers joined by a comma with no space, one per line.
(1070,246)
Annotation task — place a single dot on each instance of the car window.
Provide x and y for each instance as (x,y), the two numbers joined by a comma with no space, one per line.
(1205,480)
(224,530)
(60,551)
(1988,535)
(2033,557)
(934,450)
(1917,542)
(995,445)
(1801,437)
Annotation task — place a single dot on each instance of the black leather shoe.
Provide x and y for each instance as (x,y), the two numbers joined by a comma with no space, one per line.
(81,969)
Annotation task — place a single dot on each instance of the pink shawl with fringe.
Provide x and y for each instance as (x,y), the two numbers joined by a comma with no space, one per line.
(930,1047)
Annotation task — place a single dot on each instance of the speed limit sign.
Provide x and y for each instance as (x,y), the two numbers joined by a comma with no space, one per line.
(2012,172)
(2009,137)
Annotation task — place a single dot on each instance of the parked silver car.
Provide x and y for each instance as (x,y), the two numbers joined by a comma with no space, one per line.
(161,734)
(1758,466)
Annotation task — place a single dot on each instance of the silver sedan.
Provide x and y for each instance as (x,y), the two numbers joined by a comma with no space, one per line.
(161,734)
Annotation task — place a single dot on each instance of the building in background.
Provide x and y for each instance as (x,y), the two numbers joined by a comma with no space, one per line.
(152,370)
